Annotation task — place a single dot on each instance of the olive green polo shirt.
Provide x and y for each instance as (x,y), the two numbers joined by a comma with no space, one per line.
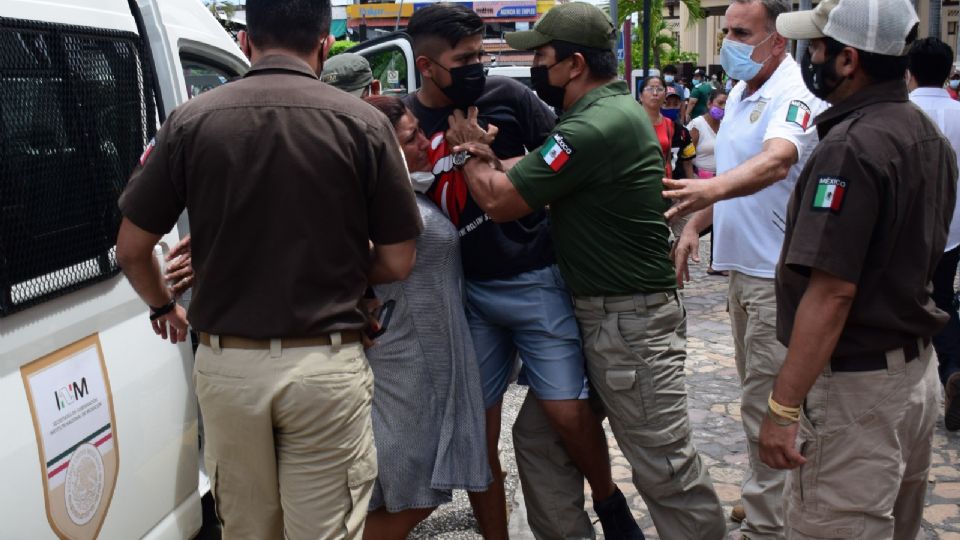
(601,172)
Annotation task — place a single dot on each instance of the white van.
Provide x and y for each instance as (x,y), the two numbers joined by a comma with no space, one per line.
(98,431)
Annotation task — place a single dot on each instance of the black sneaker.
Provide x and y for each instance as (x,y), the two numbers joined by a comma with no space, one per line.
(951,410)
(616,519)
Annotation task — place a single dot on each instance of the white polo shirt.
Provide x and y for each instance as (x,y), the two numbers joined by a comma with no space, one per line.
(748,231)
(945,112)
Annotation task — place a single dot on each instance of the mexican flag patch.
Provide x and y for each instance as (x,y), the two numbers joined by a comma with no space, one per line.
(147,150)
(799,114)
(556,152)
(830,193)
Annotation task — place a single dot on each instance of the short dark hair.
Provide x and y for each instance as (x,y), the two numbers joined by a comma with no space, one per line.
(670,68)
(715,93)
(442,23)
(602,62)
(291,24)
(391,106)
(645,82)
(930,61)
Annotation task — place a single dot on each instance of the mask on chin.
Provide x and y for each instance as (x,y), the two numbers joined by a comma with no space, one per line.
(421,181)
(467,84)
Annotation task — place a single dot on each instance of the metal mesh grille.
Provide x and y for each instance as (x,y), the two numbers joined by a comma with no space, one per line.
(76,110)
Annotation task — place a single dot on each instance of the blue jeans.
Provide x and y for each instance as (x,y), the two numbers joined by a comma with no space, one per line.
(947,342)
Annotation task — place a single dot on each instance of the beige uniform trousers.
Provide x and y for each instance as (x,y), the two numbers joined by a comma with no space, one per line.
(759,356)
(636,348)
(867,438)
(289,440)
(552,483)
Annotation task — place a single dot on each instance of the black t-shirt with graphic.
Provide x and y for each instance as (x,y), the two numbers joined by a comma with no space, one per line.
(490,250)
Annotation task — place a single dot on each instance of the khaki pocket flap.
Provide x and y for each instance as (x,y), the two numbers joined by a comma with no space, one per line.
(767,315)
(621,379)
(363,469)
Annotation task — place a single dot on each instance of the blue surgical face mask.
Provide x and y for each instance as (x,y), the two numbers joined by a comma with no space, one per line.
(668,79)
(672,114)
(954,83)
(735,57)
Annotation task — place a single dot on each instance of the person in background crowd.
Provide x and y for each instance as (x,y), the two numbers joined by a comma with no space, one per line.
(516,300)
(670,133)
(763,142)
(853,408)
(930,60)
(703,132)
(280,373)
(953,85)
(427,401)
(670,78)
(697,104)
(351,73)
(612,243)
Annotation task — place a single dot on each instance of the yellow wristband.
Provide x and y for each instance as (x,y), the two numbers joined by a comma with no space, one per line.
(789,413)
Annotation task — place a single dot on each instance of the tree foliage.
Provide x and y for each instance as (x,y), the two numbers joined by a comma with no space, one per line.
(664,47)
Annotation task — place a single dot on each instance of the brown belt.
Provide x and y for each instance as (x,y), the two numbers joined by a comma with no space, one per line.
(234,342)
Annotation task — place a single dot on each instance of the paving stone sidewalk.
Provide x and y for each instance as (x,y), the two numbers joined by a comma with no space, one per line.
(714,405)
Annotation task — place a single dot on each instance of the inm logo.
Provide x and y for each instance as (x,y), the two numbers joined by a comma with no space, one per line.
(71,393)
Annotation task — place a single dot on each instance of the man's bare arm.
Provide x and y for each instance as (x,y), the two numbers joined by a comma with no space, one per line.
(820,319)
(392,262)
(771,165)
(135,256)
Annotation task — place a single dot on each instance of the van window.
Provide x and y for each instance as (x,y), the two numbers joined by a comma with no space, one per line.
(389,66)
(201,76)
(76,111)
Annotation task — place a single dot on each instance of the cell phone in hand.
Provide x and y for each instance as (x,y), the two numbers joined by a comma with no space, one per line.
(386,312)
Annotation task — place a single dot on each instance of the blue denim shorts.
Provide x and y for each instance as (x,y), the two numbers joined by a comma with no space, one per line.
(530,314)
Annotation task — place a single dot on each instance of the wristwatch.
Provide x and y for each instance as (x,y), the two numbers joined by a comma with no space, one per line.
(461,157)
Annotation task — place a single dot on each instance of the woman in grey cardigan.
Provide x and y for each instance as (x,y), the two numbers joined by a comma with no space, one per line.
(427,403)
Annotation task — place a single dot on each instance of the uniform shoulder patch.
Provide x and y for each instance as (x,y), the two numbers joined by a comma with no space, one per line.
(556,152)
(799,114)
(831,191)
(147,150)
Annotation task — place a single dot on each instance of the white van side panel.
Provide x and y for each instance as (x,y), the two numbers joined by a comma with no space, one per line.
(112,14)
(157,445)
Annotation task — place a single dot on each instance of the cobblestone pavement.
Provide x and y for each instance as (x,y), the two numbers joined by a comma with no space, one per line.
(714,404)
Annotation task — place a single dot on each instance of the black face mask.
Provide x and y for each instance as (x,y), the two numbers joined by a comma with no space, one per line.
(467,84)
(821,79)
(550,94)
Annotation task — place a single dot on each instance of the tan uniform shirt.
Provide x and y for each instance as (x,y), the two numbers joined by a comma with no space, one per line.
(285,180)
(872,207)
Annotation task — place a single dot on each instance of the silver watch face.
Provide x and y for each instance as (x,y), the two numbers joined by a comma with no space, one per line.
(459,158)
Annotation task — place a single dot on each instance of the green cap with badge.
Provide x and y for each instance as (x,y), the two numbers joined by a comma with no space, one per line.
(349,72)
(576,22)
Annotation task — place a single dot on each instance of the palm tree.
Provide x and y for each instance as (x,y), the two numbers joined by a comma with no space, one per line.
(661,41)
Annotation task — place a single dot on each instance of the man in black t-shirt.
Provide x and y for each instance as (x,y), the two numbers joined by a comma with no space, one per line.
(516,299)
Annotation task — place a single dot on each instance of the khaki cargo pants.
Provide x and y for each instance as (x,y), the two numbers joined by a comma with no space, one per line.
(636,348)
(289,440)
(867,438)
(759,355)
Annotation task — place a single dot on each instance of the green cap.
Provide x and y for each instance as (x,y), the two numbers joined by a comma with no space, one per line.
(349,72)
(576,22)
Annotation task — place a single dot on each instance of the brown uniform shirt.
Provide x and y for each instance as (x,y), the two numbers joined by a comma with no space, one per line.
(872,207)
(285,180)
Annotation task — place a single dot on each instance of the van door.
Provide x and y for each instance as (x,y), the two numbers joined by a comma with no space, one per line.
(392,62)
